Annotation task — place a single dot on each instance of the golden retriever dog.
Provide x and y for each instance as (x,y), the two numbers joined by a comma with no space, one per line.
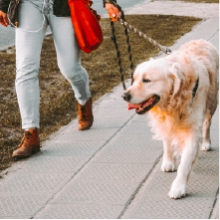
(179,94)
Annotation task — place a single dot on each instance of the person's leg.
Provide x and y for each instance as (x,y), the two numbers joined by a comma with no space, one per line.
(69,62)
(28,50)
(68,56)
(29,37)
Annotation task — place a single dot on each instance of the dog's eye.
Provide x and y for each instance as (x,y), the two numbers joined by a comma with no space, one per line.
(146,80)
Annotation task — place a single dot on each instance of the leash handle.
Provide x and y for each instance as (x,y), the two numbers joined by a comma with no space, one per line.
(127,26)
(126,32)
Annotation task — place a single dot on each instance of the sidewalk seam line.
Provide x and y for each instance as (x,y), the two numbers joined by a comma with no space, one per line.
(82,167)
(213,35)
(133,196)
(213,206)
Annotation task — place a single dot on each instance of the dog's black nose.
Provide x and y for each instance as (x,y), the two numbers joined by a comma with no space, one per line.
(126,96)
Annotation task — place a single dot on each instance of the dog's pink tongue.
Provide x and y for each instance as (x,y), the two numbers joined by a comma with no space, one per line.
(133,106)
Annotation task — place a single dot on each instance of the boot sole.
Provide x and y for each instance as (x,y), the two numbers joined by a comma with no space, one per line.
(85,128)
(25,156)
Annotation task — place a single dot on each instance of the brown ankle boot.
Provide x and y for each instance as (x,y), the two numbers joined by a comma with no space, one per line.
(30,144)
(85,116)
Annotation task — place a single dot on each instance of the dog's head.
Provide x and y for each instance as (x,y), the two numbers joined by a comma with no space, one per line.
(154,83)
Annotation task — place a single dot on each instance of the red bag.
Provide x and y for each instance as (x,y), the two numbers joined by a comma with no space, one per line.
(86,25)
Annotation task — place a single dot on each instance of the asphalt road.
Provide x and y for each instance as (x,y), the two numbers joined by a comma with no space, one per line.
(7,37)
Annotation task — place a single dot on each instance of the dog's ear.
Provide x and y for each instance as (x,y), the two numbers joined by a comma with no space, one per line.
(175,74)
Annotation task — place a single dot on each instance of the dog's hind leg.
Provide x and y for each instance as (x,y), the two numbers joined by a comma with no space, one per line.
(189,154)
(168,163)
(206,141)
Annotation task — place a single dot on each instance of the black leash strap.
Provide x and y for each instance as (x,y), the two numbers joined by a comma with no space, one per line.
(118,55)
(127,26)
(117,48)
(195,88)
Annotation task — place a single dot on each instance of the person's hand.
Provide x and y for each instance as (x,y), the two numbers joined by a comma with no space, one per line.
(113,12)
(3,19)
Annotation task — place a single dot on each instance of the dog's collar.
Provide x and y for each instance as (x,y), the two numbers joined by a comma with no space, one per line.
(195,88)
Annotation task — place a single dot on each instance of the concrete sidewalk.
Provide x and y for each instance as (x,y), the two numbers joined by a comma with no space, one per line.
(113,169)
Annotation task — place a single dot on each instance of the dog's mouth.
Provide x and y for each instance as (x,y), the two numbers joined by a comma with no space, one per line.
(145,106)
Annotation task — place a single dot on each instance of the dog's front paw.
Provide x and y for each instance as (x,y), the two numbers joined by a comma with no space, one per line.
(178,190)
(206,146)
(168,166)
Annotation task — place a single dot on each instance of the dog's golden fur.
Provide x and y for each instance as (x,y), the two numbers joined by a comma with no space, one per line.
(180,119)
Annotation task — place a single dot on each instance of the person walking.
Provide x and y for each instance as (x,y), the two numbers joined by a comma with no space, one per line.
(34,16)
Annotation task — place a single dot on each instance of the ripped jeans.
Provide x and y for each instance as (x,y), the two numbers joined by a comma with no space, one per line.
(34,18)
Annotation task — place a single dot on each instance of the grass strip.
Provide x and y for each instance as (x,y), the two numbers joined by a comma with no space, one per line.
(58,105)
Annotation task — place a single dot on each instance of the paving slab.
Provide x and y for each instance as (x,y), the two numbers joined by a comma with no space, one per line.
(215,212)
(180,8)
(113,169)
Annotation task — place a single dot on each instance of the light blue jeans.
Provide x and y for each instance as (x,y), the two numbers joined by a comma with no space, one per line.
(34,18)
